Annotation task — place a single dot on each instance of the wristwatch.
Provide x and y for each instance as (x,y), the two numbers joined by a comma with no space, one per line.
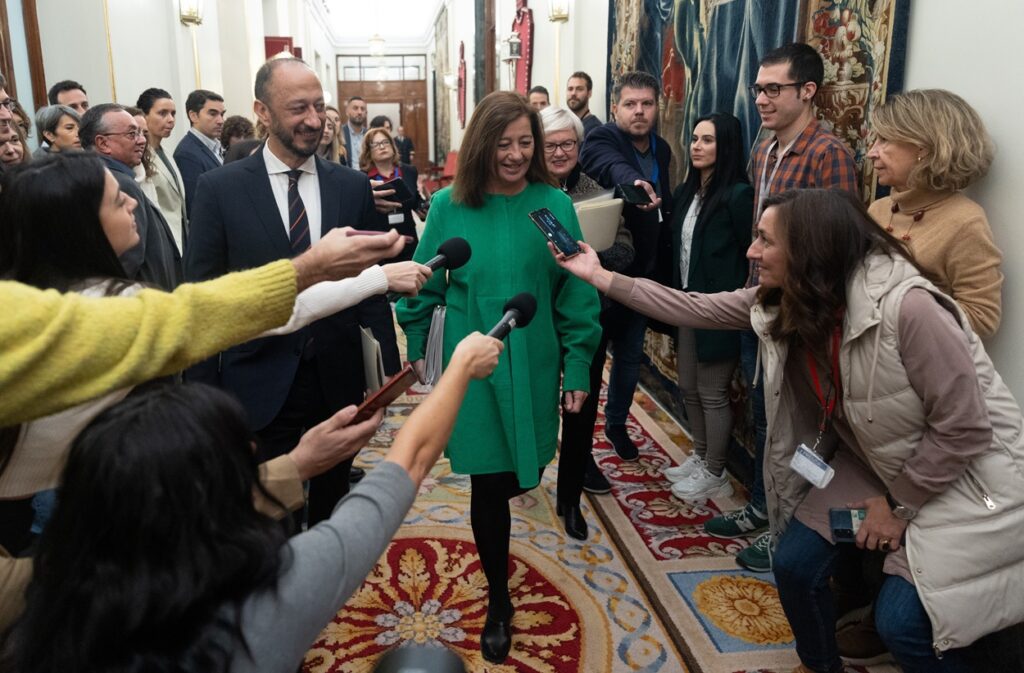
(899,511)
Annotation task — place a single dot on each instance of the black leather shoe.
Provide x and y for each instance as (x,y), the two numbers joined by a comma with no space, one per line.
(356,474)
(496,639)
(594,480)
(575,524)
(621,442)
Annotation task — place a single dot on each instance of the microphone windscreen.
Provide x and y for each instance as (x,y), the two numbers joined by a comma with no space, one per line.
(525,304)
(456,252)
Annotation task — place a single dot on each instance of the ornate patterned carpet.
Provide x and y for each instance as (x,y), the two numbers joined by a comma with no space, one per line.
(648,591)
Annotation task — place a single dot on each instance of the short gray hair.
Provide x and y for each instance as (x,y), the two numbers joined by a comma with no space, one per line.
(554,119)
(48,118)
(93,122)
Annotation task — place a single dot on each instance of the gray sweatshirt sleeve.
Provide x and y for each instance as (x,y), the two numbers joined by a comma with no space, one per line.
(328,563)
(720,310)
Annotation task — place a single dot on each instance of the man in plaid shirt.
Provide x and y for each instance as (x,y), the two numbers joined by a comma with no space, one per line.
(800,154)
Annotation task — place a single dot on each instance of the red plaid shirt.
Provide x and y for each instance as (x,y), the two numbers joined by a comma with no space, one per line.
(817,159)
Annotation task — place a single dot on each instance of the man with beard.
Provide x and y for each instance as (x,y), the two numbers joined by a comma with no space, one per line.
(577,96)
(274,204)
(355,129)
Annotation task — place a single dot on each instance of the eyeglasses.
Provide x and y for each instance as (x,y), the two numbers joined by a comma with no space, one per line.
(380,144)
(566,146)
(10,104)
(134,134)
(771,90)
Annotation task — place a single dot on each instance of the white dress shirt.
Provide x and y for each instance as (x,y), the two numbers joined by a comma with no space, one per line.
(309,190)
(211,144)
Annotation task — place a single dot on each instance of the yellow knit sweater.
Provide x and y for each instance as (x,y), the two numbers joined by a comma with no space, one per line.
(60,350)
(952,242)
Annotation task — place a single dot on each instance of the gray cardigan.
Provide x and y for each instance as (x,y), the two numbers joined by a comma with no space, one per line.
(328,563)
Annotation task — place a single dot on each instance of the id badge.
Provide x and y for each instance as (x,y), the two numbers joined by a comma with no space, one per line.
(396,218)
(809,465)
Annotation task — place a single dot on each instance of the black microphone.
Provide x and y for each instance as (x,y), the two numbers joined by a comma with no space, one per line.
(451,254)
(519,311)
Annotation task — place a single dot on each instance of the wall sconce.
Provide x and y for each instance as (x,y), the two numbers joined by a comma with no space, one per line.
(191,12)
(514,53)
(558,11)
(451,82)
(376,45)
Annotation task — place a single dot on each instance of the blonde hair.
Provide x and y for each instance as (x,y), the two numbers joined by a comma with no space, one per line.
(366,153)
(958,148)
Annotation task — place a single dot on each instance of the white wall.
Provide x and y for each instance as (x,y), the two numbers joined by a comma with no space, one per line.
(970,49)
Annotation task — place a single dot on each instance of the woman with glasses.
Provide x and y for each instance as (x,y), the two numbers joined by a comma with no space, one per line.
(507,430)
(710,235)
(379,160)
(563,134)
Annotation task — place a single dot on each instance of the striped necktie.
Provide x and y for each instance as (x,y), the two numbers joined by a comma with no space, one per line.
(298,227)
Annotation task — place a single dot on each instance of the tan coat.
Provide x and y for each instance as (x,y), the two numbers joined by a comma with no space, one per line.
(964,547)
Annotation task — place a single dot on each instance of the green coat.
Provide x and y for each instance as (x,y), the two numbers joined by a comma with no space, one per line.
(508,422)
(718,259)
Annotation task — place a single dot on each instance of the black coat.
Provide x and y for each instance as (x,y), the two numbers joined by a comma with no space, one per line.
(236,225)
(718,258)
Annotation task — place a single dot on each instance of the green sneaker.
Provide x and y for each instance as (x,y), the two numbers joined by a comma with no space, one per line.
(741,523)
(758,556)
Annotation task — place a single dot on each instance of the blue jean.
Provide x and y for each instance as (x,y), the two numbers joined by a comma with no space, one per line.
(803,563)
(748,362)
(626,335)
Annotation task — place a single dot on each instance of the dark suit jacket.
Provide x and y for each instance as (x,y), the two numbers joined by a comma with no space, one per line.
(608,157)
(155,260)
(718,258)
(236,225)
(407,227)
(193,159)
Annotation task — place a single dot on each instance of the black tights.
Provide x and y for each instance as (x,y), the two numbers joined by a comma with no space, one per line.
(491,520)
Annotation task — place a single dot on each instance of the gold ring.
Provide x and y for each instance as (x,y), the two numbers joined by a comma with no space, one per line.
(884,545)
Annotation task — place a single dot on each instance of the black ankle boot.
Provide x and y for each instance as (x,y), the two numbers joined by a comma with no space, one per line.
(496,638)
(572,517)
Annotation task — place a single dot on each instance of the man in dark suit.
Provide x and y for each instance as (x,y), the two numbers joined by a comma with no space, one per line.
(627,151)
(271,205)
(115,136)
(200,150)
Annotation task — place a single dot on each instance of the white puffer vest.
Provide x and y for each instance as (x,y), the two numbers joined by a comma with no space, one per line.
(966,545)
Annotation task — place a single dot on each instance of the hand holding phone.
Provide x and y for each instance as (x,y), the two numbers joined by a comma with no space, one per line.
(387,394)
(402,193)
(633,194)
(845,523)
(555,232)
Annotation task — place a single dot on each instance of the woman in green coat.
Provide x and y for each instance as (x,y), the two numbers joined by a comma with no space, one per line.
(710,236)
(507,429)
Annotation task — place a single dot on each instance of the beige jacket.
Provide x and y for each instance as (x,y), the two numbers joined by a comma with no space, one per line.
(965,546)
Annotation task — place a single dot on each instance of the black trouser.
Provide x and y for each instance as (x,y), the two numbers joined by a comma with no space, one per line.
(304,408)
(491,519)
(578,431)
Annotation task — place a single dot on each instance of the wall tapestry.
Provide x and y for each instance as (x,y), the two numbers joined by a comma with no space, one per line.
(706,54)
(442,100)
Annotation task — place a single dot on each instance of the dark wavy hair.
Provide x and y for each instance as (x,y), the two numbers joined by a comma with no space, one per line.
(730,165)
(480,146)
(826,233)
(50,230)
(154,545)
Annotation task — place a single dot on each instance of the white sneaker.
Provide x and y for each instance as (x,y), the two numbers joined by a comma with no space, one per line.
(679,472)
(701,485)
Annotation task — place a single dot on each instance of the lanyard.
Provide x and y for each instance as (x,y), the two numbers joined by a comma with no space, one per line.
(828,403)
(767,180)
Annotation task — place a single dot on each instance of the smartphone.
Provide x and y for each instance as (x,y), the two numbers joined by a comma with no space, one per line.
(555,232)
(388,393)
(402,193)
(364,232)
(845,523)
(633,194)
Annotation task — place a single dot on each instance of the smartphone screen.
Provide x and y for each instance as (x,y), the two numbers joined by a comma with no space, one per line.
(845,523)
(633,194)
(555,232)
(387,394)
